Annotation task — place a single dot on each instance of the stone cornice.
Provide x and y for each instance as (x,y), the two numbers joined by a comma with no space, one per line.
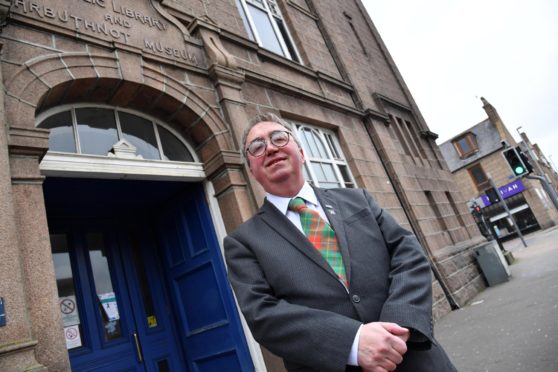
(221,161)
(429,135)
(26,141)
(377,115)
(281,85)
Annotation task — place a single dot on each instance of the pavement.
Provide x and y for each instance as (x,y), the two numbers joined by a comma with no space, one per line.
(512,326)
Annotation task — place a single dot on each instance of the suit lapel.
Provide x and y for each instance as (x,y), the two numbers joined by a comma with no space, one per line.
(334,215)
(280,223)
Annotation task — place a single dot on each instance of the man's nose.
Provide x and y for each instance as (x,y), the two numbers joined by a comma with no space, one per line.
(271,148)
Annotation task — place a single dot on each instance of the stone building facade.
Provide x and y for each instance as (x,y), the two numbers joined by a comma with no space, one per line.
(476,155)
(120,169)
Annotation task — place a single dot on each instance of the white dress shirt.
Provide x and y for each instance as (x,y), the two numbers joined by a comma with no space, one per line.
(307,193)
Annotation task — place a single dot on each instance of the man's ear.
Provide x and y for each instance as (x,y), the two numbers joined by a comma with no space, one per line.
(249,166)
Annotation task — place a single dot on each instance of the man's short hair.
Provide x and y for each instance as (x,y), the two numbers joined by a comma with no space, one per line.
(265,116)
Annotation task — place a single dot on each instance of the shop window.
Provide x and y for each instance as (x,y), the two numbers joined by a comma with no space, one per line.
(466,145)
(103,130)
(479,177)
(265,25)
(325,164)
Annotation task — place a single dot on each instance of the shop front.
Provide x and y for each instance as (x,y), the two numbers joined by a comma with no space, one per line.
(498,218)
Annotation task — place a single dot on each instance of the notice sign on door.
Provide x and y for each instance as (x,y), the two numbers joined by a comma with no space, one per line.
(68,309)
(73,338)
(108,301)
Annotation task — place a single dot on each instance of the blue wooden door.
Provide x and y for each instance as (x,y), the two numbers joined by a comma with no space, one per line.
(207,318)
(155,338)
(125,321)
(158,261)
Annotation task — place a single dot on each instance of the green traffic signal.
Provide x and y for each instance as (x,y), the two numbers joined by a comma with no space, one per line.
(515,161)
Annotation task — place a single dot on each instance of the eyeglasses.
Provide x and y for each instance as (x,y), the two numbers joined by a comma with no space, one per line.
(278,138)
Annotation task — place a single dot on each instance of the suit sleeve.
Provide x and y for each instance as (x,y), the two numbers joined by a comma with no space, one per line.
(297,333)
(409,301)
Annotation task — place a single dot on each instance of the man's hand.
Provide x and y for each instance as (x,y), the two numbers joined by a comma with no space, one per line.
(381,346)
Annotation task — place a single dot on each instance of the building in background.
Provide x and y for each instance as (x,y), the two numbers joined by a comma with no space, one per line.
(476,155)
(542,166)
(121,169)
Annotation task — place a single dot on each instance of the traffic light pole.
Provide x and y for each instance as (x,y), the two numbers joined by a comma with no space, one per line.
(540,174)
(547,187)
(510,216)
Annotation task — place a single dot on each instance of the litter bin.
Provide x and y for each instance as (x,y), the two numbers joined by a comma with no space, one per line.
(492,263)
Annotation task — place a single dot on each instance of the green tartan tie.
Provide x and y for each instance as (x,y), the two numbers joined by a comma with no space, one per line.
(321,235)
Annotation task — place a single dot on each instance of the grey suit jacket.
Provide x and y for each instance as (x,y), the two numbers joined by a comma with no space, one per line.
(297,308)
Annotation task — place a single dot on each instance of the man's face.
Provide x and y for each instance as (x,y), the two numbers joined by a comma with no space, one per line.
(279,169)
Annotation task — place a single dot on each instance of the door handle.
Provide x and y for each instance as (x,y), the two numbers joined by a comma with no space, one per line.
(138,347)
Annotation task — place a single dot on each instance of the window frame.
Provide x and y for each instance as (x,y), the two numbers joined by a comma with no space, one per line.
(253,32)
(471,140)
(120,134)
(482,185)
(330,142)
(77,164)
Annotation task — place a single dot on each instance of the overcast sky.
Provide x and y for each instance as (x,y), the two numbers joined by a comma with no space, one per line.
(452,52)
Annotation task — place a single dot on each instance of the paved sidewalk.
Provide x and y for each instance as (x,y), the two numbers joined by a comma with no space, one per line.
(512,326)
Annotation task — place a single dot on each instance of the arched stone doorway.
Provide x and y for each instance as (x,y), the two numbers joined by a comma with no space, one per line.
(54,80)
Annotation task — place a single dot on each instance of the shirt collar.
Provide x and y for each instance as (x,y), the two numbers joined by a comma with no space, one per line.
(306,192)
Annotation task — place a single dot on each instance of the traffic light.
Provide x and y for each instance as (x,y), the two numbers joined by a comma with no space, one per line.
(476,210)
(515,162)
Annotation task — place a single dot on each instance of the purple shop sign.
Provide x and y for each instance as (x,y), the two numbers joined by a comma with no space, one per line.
(506,191)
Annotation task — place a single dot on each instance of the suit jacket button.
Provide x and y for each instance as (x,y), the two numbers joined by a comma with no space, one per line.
(356,299)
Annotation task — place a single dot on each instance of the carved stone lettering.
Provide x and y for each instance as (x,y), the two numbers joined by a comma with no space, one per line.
(133,14)
(131,22)
(100,3)
(158,47)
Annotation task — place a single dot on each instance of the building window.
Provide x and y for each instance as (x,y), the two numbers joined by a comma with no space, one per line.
(479,177)
(400,138)
(96,131)
(264,24)
(466,145)
(439,218)
(325,164)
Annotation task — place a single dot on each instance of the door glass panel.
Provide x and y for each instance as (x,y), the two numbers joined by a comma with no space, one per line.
(66,290)
(106,298)
(139,132)
(97,130)
(149,309)
(61,137)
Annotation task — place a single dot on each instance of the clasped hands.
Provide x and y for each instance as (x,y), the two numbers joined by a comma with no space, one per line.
(381,346)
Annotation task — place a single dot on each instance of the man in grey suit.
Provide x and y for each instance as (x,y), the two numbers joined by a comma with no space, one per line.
(376,315)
